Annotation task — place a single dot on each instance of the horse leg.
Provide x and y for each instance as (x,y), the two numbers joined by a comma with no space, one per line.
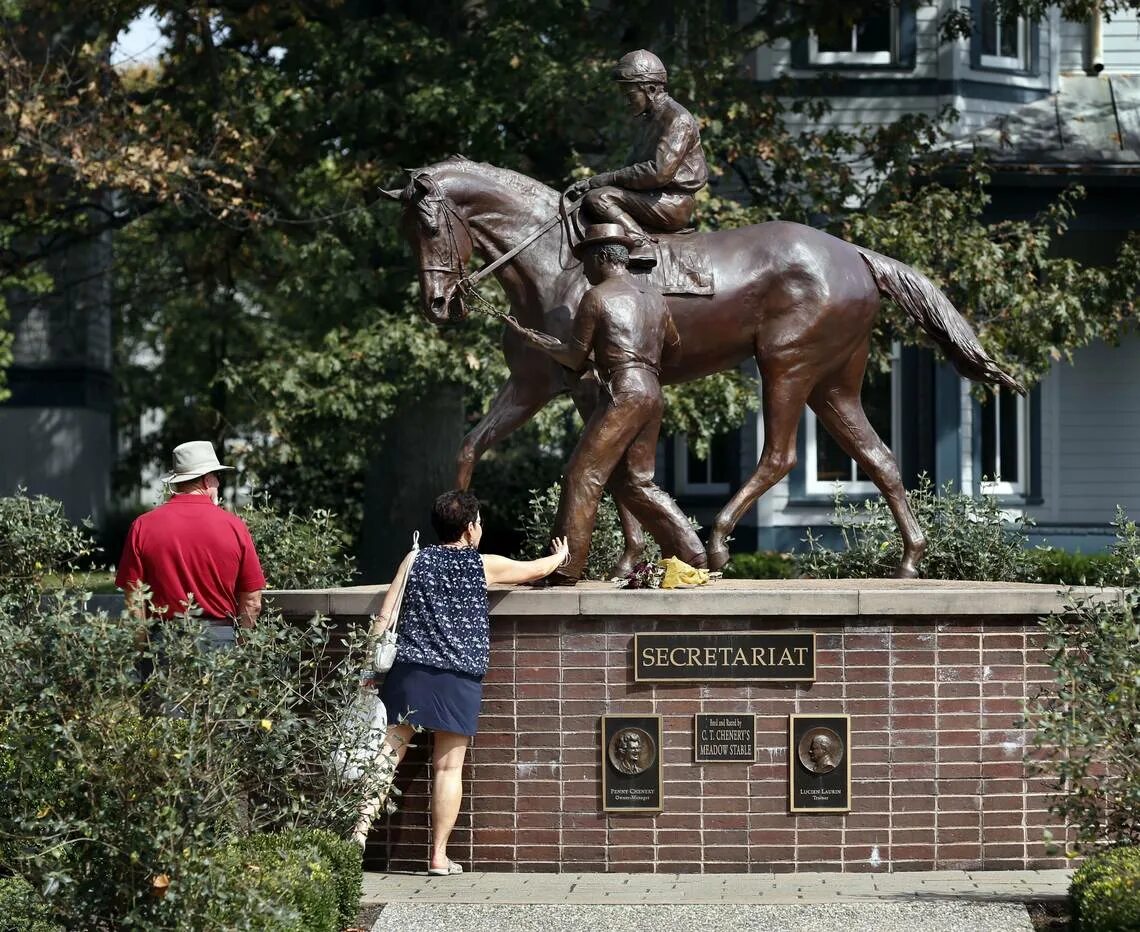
(587,396)
(513,405)
(838,404)
(785,394)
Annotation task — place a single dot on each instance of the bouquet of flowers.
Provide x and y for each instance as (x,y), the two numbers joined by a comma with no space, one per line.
(666,574)
(645,575)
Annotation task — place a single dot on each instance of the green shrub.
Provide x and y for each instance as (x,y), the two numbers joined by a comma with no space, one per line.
(967,538)
(763,564)
(606,545)
(298,551)
(1105,891)
(1123,567)
(289,873)
(1119,567)
(1086,722)
(344,859)
(247,746)
(1062,568)
(36,541)
(22,909)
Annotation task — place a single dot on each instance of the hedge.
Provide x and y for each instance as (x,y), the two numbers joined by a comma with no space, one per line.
(22,909)
(1106,892)
(344,859)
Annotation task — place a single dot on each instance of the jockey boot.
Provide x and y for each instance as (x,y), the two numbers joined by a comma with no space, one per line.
(643,256)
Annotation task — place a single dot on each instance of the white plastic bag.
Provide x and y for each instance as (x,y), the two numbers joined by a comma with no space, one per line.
(363,729)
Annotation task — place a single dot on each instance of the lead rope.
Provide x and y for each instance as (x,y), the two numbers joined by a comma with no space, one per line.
(467,283)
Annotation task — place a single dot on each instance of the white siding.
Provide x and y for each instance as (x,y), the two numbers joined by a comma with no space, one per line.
(1122,44)
(852,113)
(1073,37)
(1090,426)
(1121,38)
(966,433)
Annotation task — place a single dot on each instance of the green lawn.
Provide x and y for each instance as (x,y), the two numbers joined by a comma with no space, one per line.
(97,582)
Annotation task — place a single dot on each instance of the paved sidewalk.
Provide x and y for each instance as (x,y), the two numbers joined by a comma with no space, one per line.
(919,901)
(716,889)
(922,916)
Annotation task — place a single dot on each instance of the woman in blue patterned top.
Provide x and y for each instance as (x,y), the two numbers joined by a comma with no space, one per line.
(442,648)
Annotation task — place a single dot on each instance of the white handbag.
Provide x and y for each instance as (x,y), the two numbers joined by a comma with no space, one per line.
(384,653)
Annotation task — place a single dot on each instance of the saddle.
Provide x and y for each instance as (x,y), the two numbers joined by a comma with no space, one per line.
(681,268)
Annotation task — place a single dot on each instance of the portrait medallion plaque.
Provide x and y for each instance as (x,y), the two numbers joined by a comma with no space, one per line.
(819,763)
(736,656)
(724,738)
(631,763)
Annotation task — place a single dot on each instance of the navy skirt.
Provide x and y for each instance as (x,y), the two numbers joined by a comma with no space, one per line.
(439,700)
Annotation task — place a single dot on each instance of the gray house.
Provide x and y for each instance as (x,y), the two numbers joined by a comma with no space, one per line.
(1053,103)
(56,430)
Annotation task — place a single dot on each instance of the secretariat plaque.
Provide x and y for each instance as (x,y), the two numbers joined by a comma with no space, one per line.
(819,763)
(724,738)
(631,763)
(732,656)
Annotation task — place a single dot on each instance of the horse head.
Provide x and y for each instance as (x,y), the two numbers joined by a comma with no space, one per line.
(442,245)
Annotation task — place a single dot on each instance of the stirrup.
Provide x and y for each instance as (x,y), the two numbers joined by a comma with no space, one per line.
(643,256)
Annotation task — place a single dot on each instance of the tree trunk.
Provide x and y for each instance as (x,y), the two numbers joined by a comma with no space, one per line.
(414,464)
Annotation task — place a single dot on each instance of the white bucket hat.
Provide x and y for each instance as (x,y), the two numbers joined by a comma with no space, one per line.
(193,459)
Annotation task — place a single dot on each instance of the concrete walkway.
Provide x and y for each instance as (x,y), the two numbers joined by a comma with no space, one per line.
(920,901)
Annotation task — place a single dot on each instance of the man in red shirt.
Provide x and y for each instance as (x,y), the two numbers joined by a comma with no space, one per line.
(191,549)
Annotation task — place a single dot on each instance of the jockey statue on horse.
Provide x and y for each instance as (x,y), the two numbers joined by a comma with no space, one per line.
(655,192)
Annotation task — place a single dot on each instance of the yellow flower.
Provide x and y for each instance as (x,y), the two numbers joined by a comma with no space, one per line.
(267,724)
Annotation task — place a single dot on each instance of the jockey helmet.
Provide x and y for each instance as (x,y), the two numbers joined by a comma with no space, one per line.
(640,67)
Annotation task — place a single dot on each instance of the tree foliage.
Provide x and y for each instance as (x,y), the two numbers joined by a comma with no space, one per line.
(262,293)
(1087,720)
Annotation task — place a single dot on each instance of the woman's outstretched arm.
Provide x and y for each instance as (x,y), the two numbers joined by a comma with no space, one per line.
(505,570)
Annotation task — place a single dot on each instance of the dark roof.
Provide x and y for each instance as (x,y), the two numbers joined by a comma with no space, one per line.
(1092,125)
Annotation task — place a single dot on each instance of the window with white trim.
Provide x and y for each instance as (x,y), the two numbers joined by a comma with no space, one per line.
(1005,443)
(873,41)
(1004,40)
(709,475)
(827,465)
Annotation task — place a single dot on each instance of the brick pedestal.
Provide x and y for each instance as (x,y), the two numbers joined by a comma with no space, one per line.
(934,677)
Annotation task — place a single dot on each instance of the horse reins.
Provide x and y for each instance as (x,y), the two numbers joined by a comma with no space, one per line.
(466,282)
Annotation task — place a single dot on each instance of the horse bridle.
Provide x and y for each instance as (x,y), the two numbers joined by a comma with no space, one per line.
(465,282)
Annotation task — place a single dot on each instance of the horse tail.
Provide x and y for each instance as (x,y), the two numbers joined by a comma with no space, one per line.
(931,309)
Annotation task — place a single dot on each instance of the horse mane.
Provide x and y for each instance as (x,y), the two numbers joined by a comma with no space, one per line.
(459,165)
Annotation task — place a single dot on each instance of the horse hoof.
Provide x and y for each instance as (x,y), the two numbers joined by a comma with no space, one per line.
(625,565)
(718,558)
(906,571)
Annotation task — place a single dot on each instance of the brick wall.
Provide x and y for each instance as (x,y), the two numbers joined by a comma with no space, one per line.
(937,773)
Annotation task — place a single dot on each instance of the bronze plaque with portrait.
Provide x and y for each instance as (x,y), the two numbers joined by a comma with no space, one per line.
(631,763)
(819,763)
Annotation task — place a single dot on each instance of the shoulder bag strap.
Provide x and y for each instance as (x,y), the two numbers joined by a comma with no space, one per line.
(402,581)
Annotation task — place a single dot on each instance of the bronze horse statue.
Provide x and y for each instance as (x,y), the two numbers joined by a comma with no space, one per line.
(798,300)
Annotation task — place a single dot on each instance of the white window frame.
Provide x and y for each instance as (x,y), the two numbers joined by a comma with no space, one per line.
(813,485)
(685,483)
(997,486)
(1019,62)
(888,57)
